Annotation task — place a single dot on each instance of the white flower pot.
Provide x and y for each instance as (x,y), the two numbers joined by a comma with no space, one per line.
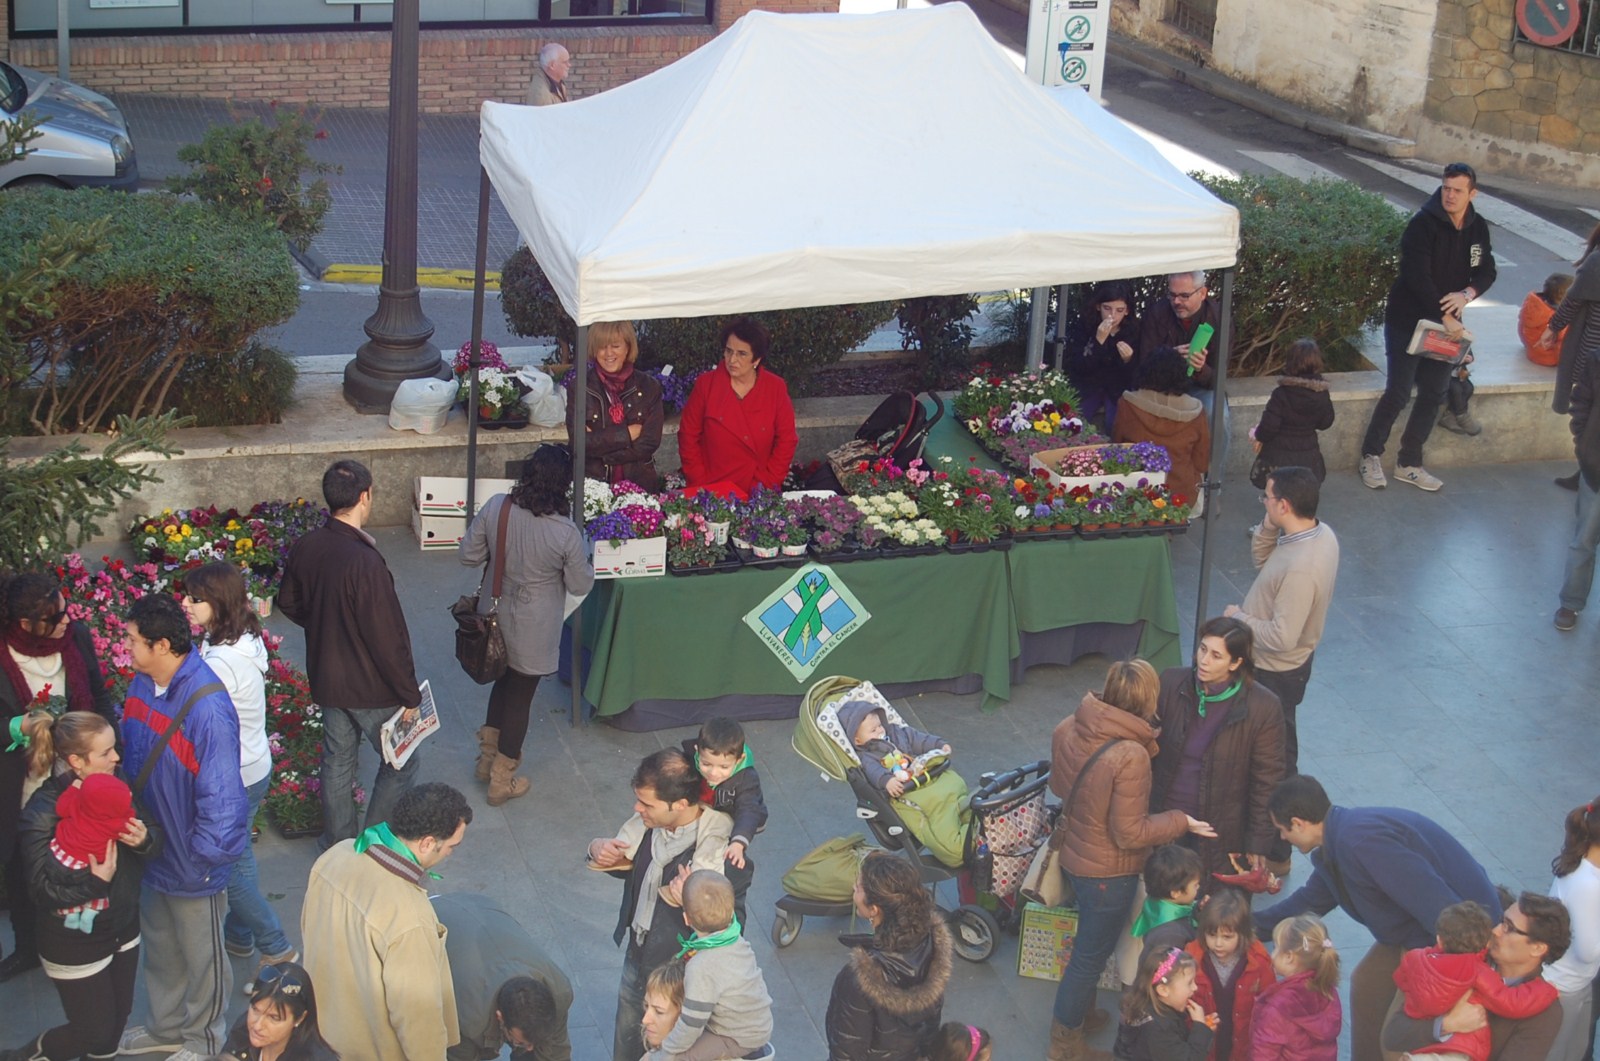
(719,531)
(764,552)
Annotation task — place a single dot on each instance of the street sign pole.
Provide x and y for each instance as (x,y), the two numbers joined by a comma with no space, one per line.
(1067,43)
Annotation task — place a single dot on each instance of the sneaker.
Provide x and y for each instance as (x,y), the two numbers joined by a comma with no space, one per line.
(238,950)
(1461,424)
(1418,477)
(1372,472)
(187,1054)
(1566,618)
(138,1041)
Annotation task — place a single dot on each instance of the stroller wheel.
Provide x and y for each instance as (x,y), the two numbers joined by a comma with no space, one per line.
(785,927)
(974,931)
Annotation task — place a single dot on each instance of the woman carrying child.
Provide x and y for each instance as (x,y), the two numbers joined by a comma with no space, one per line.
(93,968)
(1298,408)
(1298,1018)
(1233,968)
(1105,833)
(1161,1021)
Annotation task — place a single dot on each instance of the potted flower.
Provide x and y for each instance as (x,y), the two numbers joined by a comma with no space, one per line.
(693,544)
(833,521)
(718,513)
(791,529)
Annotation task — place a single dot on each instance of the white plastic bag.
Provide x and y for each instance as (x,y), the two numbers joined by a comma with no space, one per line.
(422,405)
(550,409)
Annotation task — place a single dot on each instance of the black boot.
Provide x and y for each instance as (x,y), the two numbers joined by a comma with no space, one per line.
(33,1051)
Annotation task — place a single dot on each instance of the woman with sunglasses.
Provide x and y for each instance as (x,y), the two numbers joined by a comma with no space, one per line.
(281,1023)
(545,560)
(218,602)
(49,660)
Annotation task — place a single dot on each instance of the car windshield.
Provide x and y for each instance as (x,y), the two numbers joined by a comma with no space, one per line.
(13,90)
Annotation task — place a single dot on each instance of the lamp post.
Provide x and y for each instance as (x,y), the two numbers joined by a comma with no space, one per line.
(398,333)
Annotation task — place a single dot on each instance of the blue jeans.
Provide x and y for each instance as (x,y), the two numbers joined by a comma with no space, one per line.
(342,733)
(1103,907)
(1580,554)
(251,919)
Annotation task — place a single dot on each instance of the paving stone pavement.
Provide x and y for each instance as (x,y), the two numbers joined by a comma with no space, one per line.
(1441,686)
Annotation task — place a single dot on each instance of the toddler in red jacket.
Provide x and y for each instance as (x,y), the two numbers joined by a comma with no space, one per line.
(93,813)
(1433,980)
(1233,968)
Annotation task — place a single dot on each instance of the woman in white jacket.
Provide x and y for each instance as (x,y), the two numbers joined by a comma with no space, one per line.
(218,602)
(1577,884)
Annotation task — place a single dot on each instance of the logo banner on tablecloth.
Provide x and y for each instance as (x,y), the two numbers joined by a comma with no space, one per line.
(806,618)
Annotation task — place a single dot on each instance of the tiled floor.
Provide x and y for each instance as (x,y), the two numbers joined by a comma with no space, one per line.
(1441,686)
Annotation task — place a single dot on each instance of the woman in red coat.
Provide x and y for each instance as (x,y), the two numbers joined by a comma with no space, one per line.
(738,427)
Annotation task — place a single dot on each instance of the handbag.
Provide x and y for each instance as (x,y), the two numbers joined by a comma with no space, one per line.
(1045,883)
(480,644)
(168,733)
(1259,470)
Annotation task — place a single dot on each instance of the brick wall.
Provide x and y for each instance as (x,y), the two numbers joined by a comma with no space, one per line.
(458,68)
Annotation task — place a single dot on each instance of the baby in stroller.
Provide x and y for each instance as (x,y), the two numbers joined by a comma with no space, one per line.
(904,763)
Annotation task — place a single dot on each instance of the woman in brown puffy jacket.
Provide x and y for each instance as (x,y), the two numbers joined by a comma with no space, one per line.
(1221,747)
(1104,833)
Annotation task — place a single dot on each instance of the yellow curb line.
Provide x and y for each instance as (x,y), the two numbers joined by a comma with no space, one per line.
(453,279)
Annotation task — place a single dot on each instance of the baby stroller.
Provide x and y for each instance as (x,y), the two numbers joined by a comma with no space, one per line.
(1008,821)
(897,430)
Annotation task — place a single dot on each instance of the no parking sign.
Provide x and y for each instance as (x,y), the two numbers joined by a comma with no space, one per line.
(1067,42)
(1548,22)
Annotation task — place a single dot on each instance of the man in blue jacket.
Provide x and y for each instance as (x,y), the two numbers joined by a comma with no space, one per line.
(1390,869)
(192,788)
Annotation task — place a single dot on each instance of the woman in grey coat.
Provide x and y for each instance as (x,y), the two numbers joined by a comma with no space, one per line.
(545,561)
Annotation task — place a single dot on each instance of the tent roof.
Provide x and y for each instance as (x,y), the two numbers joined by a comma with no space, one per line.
(805,160)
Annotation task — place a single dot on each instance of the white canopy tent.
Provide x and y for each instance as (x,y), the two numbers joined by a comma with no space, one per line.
(809,160)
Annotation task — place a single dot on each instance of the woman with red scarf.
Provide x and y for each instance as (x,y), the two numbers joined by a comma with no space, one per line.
(622,410)
(738,426)
(48,660)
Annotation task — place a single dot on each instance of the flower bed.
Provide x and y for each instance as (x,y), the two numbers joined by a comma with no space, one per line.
(1014,417)
(258,540)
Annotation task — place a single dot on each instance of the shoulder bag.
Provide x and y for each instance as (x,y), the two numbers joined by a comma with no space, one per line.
(1045,883)
(480,645)
(167,734)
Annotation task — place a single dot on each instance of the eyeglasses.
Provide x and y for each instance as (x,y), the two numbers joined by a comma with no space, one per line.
(50,622)
(191,599)
(1507,926)
(737,355)
(1182,296)
(278,979)
(1268,497)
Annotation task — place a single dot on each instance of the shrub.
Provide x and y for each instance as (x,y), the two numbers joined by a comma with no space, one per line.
(256,169)
(803,340)
(939,328)
(55,503)
(172,281)
(1316,258)
(254,386)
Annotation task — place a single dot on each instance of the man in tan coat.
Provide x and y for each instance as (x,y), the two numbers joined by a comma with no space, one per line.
(374,947)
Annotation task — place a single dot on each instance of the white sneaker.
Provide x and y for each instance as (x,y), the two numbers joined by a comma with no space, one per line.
(1372,472)
(187,1054)
(1419,477)
(138,1041)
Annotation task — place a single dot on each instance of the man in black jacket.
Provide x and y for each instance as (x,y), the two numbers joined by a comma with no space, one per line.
(358,650)
(1445,263)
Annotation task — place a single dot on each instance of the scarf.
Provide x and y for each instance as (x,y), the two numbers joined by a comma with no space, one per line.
(1207,698)
(1157,912)
(23,643)
(692,945)
(614,382)
(383,836)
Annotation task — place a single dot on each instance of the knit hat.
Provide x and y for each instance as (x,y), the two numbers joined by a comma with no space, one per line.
(93,812)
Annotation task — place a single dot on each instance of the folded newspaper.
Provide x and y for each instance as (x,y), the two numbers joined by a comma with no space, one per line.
(1432,340)
(399,739)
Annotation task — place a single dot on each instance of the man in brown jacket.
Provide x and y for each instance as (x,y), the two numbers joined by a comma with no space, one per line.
(358,650)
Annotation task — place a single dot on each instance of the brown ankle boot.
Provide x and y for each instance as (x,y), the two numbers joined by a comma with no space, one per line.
(488,748)
(1071,1044)
(503,782)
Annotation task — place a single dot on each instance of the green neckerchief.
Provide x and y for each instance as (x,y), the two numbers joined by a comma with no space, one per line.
(692,945)
(745,760)
(19,739)
(1205,698)
(1159,912)
(383,836)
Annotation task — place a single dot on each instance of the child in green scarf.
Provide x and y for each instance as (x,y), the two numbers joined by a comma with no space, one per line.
(1171,884)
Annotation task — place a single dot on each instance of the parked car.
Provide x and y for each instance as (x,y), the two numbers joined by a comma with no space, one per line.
(83,139)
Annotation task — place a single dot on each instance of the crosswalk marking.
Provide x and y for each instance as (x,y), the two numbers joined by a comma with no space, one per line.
(1536,230)
(1306,170)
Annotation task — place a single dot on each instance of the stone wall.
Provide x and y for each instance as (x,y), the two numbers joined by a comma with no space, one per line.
(458,68)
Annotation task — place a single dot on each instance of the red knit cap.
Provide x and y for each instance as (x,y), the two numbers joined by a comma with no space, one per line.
(93,812)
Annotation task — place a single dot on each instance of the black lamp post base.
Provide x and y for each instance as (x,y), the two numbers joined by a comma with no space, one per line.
(377,372)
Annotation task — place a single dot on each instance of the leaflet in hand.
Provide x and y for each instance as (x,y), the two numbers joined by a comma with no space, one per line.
(399,739)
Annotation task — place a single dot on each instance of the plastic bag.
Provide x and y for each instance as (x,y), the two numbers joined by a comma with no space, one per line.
(538,383)
(422,405)
(550,410)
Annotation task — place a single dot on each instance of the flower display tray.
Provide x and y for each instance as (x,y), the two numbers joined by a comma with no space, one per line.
(300,833)
(730,563)
(1050,458)
(505,423)
(749,559)
(1045,535)
(909,550)
(845,556)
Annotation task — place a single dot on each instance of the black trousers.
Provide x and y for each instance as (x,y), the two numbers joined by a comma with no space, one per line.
(96,1008)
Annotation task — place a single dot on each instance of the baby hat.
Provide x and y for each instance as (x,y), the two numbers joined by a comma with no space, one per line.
(92,812)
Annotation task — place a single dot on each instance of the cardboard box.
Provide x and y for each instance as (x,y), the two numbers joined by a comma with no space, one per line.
(634,558)
(1044,945)
(446,495)
(1048,459)
(437,532)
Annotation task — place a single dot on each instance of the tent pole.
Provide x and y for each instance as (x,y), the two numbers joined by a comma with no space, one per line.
(476,355)
(580,365)
(1038,310)
(1219,445)
(1060,355)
